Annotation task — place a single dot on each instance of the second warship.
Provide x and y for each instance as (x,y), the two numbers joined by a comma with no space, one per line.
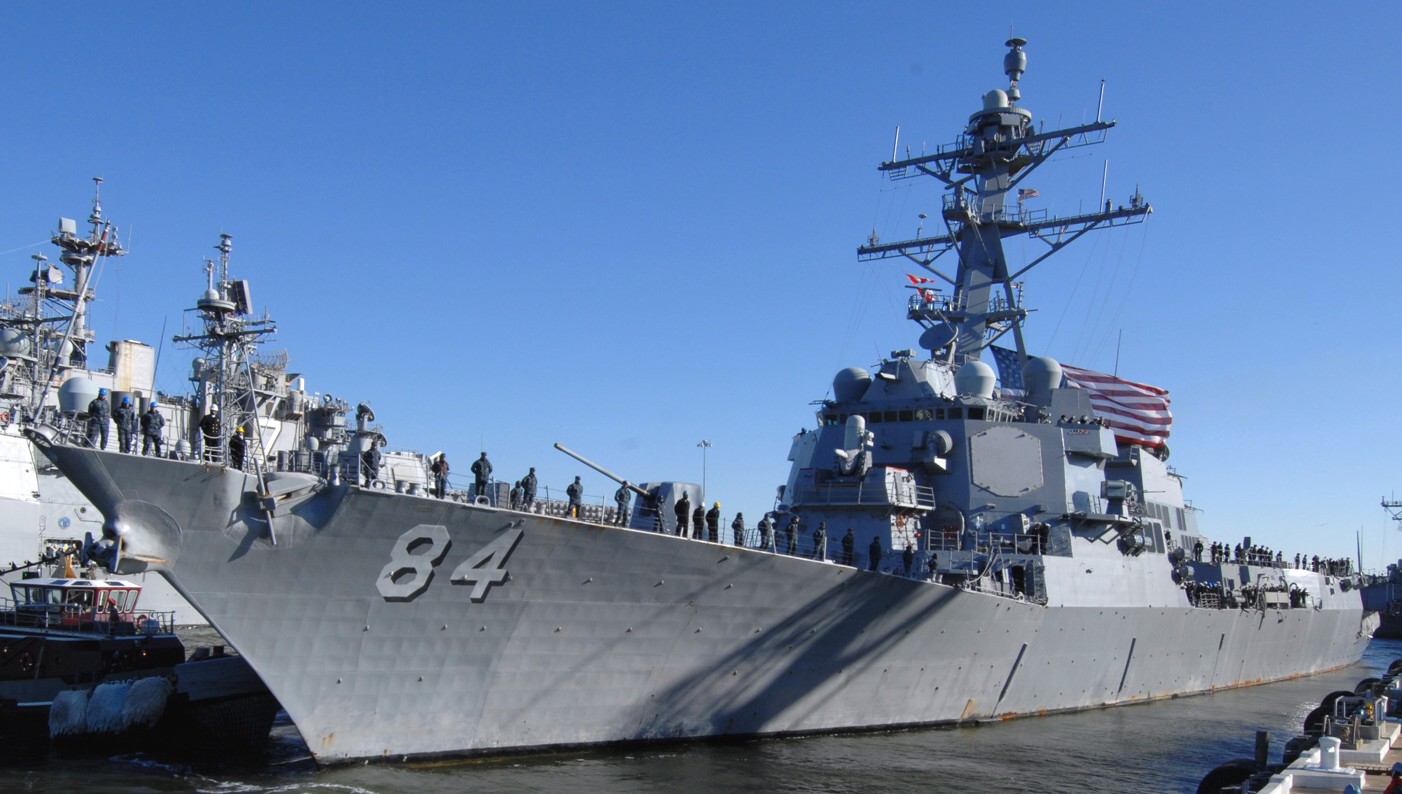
(1028,548)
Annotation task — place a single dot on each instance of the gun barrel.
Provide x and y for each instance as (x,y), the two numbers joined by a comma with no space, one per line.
(600,469)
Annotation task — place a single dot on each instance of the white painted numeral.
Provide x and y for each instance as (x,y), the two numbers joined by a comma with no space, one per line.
(474,570)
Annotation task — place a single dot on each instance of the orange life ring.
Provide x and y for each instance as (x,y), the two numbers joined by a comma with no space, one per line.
(4,417)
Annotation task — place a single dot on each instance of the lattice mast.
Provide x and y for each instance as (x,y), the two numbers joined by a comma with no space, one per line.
(991,158)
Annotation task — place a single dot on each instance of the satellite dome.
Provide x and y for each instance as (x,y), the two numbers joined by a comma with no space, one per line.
(76,393)
(997,99)
(850,384)
(975,378)
(13,342)
(1040,375)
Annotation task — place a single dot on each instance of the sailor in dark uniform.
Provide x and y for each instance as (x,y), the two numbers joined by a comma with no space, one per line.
(621,498)
(209,432)
(791,536)
(370,463)
(528,490)
(874,551)
(126,425)
(575,491)
(738,528)
(766,533)
(99,414)
(481,472)
(440,475)
(713,523)
(237,445)
(152,428)
(683,514)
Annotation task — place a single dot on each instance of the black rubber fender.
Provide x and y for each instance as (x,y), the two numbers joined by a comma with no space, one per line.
(1328,701)
(1314,721)
(1367,686)
(1228,775)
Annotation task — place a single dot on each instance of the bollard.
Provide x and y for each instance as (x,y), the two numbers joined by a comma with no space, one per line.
(1329,753)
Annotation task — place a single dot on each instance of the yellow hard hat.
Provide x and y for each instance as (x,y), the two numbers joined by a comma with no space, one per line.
(240,431)
(717,504)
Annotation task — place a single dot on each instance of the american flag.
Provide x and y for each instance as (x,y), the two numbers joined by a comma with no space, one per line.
(1137,412)
(1024,193)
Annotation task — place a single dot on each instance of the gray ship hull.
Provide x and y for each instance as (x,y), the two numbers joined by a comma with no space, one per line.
(40,509)
(391,625)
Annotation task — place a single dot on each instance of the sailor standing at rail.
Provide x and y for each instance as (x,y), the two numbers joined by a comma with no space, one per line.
(766,533)
(126,425)
(621,497)
(99,413)
(713,523)
(528,490)
(152,427)
(737,527)
(698,522)
(575,492)
(820,541)
(209,432)
(370,463)
(683,514)
(440,474)
(791,536)
(237,446)
(481,472)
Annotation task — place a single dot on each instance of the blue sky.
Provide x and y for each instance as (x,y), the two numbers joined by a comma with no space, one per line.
(627,227)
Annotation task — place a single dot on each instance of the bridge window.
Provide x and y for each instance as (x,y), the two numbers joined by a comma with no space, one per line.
(907,416)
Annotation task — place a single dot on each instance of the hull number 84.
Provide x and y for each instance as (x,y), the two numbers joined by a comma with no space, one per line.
(418,551)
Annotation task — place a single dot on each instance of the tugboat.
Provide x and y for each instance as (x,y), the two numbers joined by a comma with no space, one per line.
(78,659)
(60,634)
(1069,572)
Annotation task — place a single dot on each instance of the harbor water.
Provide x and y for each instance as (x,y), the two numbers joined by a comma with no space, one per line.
(1165,746)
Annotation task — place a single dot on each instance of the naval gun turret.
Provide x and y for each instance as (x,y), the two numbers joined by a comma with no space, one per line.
(656,501)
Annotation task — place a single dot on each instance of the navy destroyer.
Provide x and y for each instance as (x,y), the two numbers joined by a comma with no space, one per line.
(999,552)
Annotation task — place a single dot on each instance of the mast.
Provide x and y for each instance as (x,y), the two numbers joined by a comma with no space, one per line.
(999,147)
(53,319)
(228,339)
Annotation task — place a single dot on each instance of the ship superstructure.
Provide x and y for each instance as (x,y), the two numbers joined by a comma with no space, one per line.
(49,373)
(1014,551)
(926,453)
